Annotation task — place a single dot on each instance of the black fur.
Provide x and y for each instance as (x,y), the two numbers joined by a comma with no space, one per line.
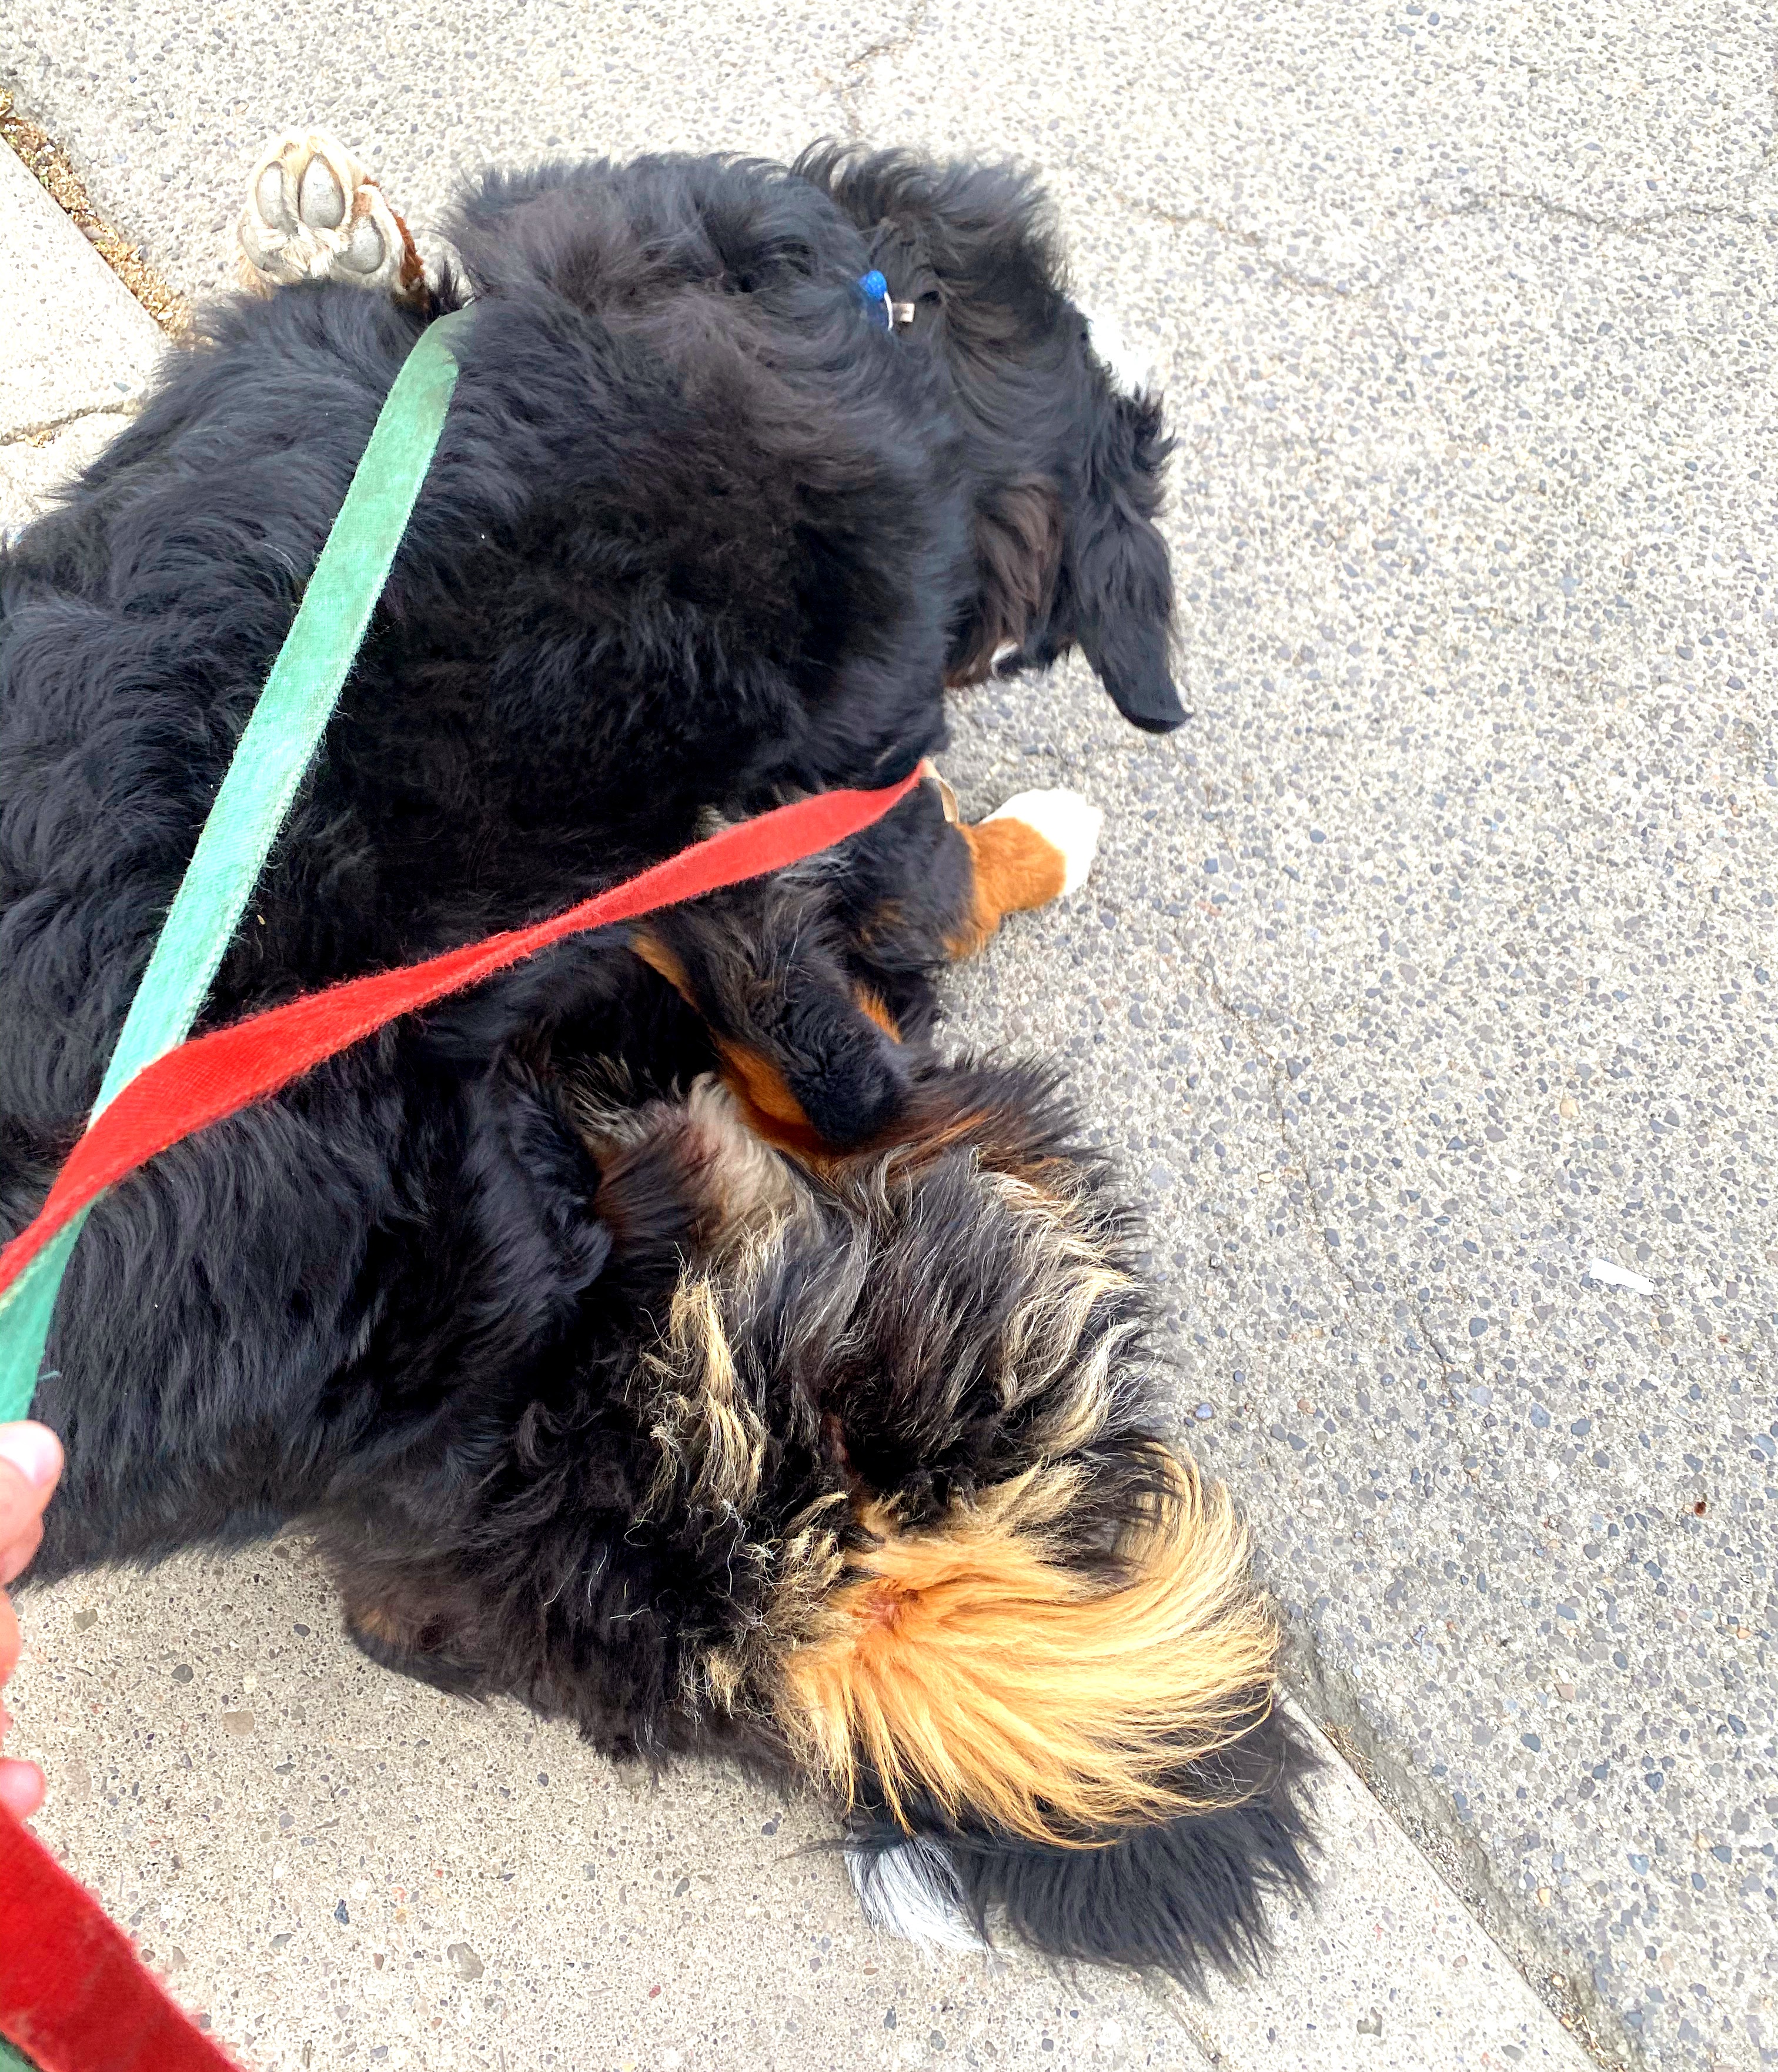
(1182,1897)
(696,537)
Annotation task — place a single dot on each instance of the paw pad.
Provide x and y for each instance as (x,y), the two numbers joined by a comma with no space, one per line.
(314,214)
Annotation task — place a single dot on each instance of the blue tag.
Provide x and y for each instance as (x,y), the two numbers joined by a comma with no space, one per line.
(875,290)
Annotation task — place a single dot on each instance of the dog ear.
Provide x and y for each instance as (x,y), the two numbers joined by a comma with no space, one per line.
(1122,579)
(1019,539)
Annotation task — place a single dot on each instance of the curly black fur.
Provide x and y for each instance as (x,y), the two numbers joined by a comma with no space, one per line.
(696,536)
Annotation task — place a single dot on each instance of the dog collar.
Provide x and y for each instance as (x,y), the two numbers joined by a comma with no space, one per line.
(883,313)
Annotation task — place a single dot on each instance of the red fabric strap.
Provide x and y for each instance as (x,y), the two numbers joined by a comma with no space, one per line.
(73,1993)
(214,1075)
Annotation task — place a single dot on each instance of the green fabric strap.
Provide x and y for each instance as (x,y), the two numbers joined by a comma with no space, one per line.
(275,749)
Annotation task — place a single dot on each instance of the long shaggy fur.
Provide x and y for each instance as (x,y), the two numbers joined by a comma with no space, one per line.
(972,1665)
(840,1456)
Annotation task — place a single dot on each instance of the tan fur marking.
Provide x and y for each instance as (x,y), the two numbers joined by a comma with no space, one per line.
(655,954)
(763,1084)
(874,1010)
(931,774)
(1014,869)
(378,1622)
(707,1430)
(971,1663)
(771,1109)
(412,283)
(803,1567)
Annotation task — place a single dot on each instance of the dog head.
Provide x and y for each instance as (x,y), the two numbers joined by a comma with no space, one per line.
(1067,458)
(902,1433)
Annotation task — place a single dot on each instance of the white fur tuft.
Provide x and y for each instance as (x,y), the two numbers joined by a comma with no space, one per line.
(1131,371)
(1067,822)
(911,1891)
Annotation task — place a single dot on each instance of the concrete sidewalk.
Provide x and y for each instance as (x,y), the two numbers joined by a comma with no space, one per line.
(79,348)
(336,1868)
(1434,962)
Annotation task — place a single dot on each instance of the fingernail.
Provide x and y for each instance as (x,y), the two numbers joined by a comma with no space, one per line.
(33,1450)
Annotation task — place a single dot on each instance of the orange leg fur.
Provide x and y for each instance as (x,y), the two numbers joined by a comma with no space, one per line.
(1016,868)
(1037,848)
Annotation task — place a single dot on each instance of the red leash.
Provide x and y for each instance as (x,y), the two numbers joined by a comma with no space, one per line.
(214,1075)
(72,1992)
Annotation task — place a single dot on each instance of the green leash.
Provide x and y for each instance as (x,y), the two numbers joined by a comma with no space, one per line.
(275,749)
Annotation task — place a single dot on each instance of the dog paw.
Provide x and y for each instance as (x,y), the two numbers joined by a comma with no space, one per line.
(1065,823)
(312,213)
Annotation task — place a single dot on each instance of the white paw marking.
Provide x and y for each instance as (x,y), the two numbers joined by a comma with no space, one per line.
(1067,822)
(911,1891)
(312,213)
(1131,370)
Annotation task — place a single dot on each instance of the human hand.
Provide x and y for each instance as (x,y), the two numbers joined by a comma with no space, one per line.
(31,1464)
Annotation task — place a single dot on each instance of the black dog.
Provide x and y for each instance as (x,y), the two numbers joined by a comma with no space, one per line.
(661,1332)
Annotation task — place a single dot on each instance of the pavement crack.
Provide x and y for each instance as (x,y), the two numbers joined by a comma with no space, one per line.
(40,434)
(1478,201)
(1251,241)
(1315,1223)
(1475,202)
(853,73)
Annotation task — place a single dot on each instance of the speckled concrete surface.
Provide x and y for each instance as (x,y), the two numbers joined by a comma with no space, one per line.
(1434,961)
(336,1868)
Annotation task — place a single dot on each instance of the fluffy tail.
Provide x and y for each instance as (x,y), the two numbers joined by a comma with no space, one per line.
(975,1668)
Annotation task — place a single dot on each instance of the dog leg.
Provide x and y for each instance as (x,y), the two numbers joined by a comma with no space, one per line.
(810,984)
(312,213)
(812,1057)
(1037,848)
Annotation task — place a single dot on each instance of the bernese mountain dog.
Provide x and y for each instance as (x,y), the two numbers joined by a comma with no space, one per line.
(664,1333)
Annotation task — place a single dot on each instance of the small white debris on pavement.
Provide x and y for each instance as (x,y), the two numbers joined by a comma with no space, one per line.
(1614,1276)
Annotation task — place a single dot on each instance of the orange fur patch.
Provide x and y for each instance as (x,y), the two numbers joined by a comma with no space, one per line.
(760,1085)
(1016,868)
(873,1010)
(379,1622)
(655,953)
(413,281)
(971,1663)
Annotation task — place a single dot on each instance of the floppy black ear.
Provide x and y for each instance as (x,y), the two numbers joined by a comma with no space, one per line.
(1122,579)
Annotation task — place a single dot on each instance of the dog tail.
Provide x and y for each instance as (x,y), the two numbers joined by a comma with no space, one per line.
(980,1668)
